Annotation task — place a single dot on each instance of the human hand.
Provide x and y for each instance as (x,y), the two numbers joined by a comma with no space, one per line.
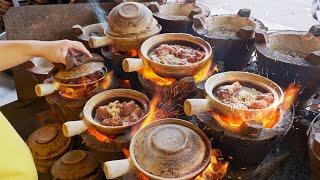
(57,51)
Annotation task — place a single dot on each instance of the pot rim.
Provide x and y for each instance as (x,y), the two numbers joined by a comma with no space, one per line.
(263,49)
(273,87)
(198,30)
(179,122)
(200,5)
(176,37)
(100,97)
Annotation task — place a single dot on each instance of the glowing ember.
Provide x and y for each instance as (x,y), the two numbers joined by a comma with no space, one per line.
(216,169)
(130,53)
(148,73)
(99,136)
(233,120)
(205,72)
(86,90)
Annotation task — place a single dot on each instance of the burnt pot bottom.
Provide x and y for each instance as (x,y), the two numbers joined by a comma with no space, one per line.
(285,73)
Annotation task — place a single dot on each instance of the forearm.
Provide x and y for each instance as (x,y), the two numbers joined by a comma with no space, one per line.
(13,53)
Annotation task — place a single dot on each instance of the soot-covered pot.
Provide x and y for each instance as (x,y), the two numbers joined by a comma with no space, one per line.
(47,145)
(76,165)
(165,149)
(232,36)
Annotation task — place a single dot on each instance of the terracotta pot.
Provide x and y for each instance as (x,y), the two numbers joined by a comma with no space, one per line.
(174,71)
(165,149)
(72,128)
(314,149)
(196,106)
(47,145)
(60,77)
(77,164)
(128,25)
(232,35)
(285,69)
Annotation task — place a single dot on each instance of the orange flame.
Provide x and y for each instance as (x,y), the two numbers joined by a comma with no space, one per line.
(233,120)
(148,73)
(205,72)
(130,53)
(124,83)
(79,92)
(99,136)
(216,169)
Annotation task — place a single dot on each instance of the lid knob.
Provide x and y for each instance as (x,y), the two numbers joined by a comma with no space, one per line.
(74,157)
(169,139)
(129,10)
(46,135)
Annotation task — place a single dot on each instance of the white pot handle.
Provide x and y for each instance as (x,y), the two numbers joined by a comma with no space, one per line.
(117,168)
(72,128)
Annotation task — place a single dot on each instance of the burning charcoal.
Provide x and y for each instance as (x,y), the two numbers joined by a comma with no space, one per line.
(129,107)
(103,113)
(251,128)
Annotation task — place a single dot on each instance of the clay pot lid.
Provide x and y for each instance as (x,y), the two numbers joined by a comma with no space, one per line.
(79,71)
(129,18)
(75,164)
(171,150)
(48,142)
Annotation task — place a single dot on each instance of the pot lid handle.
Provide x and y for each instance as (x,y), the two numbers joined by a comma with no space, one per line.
(169,140)
(46,135)
(74,157)
(129,10)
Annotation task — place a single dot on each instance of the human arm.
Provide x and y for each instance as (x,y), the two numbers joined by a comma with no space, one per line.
(13,53)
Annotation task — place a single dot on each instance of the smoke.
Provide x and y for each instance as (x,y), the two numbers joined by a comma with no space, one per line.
(100,13)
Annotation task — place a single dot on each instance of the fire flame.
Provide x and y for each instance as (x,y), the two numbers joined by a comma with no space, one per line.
(130,53)
(216,169)
(124,83)
(148,73)
(99,136)
(205,72)
(233,121)
(88,90)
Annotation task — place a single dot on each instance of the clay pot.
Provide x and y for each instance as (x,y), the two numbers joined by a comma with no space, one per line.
(165,149)
(285,68)
(128,25)
(76,164)
(173,71)
(72,128)
(47,145)
(86,70)
(232,35)
(178,17)
(314,149)
(196,106)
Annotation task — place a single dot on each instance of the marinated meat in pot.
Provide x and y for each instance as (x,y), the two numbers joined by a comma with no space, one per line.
(118,113)
(176,55)
(242,97)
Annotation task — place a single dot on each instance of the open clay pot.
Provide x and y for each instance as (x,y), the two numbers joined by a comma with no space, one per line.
(291,57)
(232,36)
(73,128)
(128,25)
(178,17)
(196,106)
(79,82)
(166,149)
(164,70)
